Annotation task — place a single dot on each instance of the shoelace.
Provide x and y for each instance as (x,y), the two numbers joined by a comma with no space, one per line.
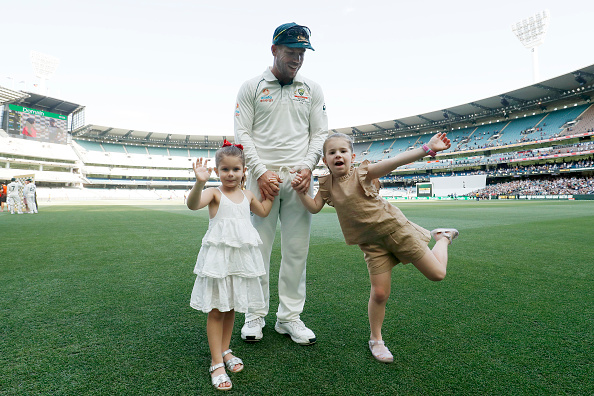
(253,323)
(299,324)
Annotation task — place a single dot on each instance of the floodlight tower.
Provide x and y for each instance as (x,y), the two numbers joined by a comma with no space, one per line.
(531,32)
(44,66)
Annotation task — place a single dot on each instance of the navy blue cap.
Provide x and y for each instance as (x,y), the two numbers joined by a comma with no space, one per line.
(292,35)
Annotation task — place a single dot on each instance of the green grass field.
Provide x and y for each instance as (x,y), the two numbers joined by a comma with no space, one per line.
(95,301)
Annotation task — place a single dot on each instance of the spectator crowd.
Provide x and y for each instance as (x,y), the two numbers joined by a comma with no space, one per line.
(542,186)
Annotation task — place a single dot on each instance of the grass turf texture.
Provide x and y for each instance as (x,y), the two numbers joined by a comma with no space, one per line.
(95,300)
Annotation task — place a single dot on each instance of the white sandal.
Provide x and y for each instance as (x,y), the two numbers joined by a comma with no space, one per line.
(450,233)
(234,361)
(381,353)
(219,379)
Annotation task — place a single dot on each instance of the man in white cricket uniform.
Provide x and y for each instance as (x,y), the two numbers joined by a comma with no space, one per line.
(281,121)
(29,194)
(14,200)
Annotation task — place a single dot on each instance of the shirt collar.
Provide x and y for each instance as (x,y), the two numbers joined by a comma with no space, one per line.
(268,76)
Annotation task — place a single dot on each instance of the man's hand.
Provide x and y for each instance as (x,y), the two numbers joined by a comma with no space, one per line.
(301,181)
(268,184)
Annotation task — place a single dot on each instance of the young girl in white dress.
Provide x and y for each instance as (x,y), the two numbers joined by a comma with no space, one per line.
(229,263)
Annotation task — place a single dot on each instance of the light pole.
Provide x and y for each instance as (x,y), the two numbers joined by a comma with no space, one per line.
(44,67)
(531,32)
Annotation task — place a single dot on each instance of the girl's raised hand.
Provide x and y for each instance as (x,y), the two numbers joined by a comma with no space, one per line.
(439,142)
(201,171)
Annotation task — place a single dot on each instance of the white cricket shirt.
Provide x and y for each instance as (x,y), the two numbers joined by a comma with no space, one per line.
(280,126)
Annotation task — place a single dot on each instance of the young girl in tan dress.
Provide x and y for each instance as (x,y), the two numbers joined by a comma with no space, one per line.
(380,229)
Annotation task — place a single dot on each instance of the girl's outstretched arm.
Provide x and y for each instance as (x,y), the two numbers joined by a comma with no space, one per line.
(197,199)
(261,209)
(438,142)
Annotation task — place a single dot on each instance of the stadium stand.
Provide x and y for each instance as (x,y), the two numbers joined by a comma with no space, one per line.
(201,153)
(131,149)
(179,152)
(537,134)
(158,151)
(90,146)
(113,148)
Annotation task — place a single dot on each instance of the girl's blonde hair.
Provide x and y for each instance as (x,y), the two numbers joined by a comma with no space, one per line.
(338,135)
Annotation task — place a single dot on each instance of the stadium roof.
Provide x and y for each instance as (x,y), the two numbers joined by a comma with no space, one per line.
(143,137)
(575,86)
(578,85)
(46,103)
(11,96)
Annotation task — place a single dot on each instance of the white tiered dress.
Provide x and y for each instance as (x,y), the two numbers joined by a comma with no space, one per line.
(229,263)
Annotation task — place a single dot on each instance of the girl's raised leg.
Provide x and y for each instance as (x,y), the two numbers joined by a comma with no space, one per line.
(435,261)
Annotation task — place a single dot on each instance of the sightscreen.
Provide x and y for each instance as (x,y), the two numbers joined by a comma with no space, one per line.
(459,185)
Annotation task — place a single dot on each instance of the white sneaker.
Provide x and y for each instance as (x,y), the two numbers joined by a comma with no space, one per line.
(297,330)
(252,330)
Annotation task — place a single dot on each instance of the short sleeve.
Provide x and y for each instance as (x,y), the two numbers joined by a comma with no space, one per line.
(325,185)
(371,187)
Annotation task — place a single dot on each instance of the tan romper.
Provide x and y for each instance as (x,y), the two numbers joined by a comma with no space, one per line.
(381,230)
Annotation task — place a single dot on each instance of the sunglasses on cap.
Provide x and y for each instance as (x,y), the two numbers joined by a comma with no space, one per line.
(294,32)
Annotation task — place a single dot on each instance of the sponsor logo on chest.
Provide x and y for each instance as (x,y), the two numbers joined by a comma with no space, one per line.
(301,95)
(265,96)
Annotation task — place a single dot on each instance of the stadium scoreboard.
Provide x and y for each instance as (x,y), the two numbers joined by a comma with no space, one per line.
(424,189)
(27,123)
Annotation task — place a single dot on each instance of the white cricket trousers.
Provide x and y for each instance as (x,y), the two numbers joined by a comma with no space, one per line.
(14,202)
(295,222)
(31,203)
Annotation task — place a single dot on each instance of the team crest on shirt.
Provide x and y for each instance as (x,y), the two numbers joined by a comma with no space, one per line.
(237,113)
(301,95)
(266,97)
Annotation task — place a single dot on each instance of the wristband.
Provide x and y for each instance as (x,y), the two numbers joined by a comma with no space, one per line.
(429,151)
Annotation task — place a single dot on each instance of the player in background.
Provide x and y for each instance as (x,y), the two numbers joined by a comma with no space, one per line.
(13,196)
(29,130)
(2,197)
(29,194)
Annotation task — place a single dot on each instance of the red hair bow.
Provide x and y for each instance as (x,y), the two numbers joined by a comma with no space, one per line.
(226,143)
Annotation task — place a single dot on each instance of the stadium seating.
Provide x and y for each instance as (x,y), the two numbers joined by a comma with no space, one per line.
(361,148)
(512,132)
(131,149)
(104,165)
(178,152)
(158,151)
(376,150)
(90,146)
(585,123)
(113,148)
(48,162)
(400,145)
(201,153)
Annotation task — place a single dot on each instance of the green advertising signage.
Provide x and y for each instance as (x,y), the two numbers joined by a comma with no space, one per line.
(27,110)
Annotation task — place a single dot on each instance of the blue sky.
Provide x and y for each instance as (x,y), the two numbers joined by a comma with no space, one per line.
(176,66)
